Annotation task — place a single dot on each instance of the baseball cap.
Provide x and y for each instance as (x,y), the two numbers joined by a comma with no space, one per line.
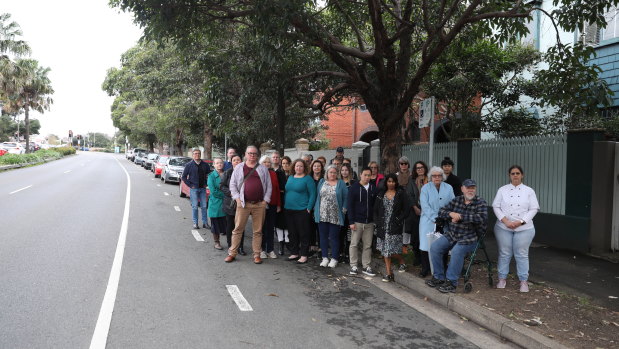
(469,183)
(339,150)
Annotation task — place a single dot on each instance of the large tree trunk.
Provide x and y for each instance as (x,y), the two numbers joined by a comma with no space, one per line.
(179,142)
(281,120)
(390,148)
(27,122)
(208,141)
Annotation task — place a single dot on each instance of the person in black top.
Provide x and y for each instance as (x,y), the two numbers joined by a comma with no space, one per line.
(448,165)
(194,176)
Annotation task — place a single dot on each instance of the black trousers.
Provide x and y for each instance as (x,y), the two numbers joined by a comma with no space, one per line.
(299,231)
(230,228)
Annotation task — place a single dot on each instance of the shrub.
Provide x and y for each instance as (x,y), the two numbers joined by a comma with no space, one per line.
(65,150)
(38,156)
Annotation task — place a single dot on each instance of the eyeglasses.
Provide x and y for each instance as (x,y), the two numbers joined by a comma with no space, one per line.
(419,168)
(437,176)
(403,163)
(254,154)
(515,173)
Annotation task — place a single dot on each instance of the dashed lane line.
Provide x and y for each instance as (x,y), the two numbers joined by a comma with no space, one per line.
(197,236)
(18,190)
(166,193)
(67,171)
(177,208)
(238,298)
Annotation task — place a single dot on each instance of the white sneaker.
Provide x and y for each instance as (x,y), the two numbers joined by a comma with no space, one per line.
(524,286)
(333,263)
(272,255)
(263,255)
(502,283)
(324,262)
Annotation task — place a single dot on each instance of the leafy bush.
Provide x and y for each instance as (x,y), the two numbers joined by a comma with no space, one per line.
(38,156)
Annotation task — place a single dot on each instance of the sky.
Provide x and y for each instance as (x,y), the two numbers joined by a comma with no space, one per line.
(79,40)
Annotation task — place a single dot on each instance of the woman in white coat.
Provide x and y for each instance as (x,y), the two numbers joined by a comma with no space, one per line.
(434,195)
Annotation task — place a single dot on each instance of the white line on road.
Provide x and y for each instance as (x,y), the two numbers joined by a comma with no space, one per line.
(99,337)
(238,298)
(177,208)
(197,236)
(166,193)
(67,171)
(158,185)
(18,190)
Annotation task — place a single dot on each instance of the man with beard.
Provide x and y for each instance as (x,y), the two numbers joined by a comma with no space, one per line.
(466,217)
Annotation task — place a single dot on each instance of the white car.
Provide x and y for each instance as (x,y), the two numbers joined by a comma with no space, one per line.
(13,147)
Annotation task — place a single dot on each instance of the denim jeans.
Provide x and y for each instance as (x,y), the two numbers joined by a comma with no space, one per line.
(329,232)
(195,195)
(458,251)
(514,243)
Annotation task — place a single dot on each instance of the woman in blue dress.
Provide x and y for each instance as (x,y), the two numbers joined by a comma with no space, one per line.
(434,195)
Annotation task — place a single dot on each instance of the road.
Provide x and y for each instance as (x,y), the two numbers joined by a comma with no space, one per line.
(64,245)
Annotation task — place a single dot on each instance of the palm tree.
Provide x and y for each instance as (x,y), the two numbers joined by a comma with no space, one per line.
(10,45)
(34,94)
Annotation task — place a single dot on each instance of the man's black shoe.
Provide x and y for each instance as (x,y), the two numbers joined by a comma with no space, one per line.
(206,226)
(435,282)
(447,287)
(242,252)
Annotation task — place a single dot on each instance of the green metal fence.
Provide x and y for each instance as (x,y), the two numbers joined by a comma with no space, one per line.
(543,160)
(421,152)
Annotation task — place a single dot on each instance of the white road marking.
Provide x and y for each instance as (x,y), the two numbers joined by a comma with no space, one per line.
(18,190)
(158,185)
(67,171)
(238,298)
(102,328)
(166,193)
(197,236)
(177,208)
(152,179)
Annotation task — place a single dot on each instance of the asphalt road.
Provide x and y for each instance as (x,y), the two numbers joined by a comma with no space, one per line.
(60,228)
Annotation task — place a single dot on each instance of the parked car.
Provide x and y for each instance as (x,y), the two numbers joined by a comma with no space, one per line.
(159,164)
(174,169)
(148,161)
(139,158)
(13,147)
(130,155)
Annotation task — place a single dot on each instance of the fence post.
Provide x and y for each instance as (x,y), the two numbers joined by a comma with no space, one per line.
(580,168)
(464,167)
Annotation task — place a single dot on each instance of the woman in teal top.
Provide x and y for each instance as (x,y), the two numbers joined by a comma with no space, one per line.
(215,202)
(299,201)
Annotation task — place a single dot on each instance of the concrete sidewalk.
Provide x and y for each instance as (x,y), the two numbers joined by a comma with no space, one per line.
(582,275)
(574,273)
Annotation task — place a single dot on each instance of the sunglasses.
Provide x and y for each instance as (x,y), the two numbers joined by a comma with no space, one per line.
(403,163)
(515,173)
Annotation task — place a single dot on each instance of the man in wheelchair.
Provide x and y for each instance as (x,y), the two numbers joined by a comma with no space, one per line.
(464,219)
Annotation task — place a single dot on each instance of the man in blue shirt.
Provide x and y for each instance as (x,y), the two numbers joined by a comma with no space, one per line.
(194,176)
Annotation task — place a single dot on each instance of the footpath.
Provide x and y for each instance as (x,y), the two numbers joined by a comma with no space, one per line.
(573,300)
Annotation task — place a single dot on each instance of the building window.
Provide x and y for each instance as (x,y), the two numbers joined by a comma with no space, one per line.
(612,24)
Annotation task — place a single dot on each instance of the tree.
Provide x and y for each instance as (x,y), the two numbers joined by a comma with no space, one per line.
(34,93)
(383,51)
(10,45)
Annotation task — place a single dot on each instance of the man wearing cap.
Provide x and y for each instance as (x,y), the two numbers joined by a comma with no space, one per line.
(466,217)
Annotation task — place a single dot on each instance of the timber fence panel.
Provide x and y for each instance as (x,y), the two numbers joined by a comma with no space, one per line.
(543,160)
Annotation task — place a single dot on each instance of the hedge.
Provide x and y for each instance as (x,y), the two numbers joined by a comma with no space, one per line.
(38,156)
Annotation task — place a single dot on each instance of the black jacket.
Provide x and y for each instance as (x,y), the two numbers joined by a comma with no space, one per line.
(455,183)
(224,186)
(360,203)
(400,212)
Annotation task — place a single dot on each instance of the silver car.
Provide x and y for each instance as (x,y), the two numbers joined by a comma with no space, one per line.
(173,170)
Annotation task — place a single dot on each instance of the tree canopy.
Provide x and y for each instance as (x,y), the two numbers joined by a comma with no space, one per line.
(382,52)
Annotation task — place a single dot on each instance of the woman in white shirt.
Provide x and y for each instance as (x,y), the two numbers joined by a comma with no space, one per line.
(515,205)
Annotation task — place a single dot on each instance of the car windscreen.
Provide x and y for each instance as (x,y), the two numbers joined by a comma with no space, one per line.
(178,161)
(152,156)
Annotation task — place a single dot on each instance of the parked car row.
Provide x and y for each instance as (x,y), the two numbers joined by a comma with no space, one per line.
(167,167)
(13,147)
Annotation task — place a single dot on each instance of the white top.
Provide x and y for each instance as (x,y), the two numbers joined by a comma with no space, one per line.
(516,203)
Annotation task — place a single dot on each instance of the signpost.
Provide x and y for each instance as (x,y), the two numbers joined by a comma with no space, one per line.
(426,118)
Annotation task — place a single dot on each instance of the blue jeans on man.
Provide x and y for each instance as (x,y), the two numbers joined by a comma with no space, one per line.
(198,197)
(458,251)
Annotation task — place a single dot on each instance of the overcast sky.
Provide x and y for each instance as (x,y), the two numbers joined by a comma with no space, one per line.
(79,40)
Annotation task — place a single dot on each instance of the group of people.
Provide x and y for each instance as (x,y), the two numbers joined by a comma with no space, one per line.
(311,205)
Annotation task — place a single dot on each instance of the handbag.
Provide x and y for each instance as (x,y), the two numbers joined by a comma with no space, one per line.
(233,202)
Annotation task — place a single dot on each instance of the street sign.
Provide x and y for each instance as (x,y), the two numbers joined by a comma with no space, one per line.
(426,112)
